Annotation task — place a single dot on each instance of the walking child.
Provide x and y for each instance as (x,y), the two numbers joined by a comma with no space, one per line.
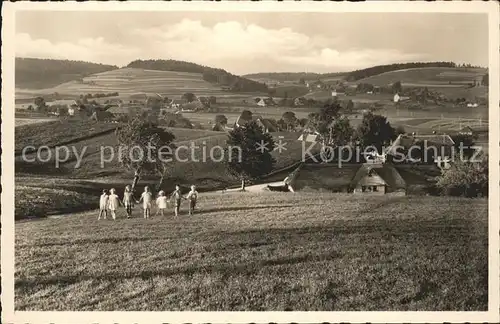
(146,198)
(103,204)
(128,201)
(161,203)
(192,196)
(114,203)
(176,196)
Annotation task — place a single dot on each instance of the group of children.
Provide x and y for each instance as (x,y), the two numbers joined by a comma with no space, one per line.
(112,202)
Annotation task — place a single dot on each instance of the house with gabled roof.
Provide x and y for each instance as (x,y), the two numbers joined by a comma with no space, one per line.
(467,130)
(267,125)
(420,148)
(378,178)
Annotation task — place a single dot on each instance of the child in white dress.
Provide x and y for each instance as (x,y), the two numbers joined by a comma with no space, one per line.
(161,203)
(103,205)
(114,203)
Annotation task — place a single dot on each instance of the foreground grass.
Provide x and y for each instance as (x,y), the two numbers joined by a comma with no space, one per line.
(262,252)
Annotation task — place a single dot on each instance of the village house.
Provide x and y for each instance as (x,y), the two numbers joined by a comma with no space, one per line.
(467,130)
(308,138)
(398,98)
(378,178)
(420,148)
(336,93)
(264,102)
(267,125)
(368,178)
(299,101)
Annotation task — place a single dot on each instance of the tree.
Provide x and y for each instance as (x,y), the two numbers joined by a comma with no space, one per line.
(246,115)
(376,131)
(486,80)
(341,132)
(62,111)
(349,107)
(189,96)
(221,120)
(40,103)
(303,122)
(248,153)
(144,147)
(400,130)
(397,87)
(290,119)
(464,142)
(465,178)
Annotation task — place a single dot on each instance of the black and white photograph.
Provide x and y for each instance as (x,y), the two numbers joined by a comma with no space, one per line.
(237,159)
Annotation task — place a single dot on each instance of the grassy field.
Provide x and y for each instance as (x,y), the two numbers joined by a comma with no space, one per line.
(426,76)
(259,252)
(129,81)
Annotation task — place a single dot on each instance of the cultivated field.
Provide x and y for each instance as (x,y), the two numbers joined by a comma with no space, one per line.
(426,76)
(129,81)
(265,251)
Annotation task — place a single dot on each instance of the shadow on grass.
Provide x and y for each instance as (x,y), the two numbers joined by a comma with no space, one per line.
(224,269)
(240,208)
(429,232)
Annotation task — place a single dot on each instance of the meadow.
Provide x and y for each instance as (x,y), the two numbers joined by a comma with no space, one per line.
(130,81)
(262,252)
(426,76)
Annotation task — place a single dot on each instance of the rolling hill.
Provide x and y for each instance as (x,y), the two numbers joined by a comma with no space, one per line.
(129,81)
(432,76)
(33,73)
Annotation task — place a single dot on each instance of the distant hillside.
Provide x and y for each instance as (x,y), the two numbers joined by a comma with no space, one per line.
(215,76)
(130,81)
(375,70)
(293,76)
(430,76)
(33,73)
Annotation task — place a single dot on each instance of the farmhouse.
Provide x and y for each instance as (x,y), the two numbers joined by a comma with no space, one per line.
(467,130)
(100,115)
(176,103)
(267,125)
(319,176)
(63,103)
(300,101)
(192,106)
(424,147)
(264,102)
(336,93)
(398,98)
(308,138)
(378,178)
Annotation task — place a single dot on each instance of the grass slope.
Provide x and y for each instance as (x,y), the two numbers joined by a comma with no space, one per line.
(33,73)
(262,252)
(432,76)
(128,81)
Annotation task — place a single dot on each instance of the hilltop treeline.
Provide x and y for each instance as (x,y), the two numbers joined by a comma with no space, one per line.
(375,70)
(212,75)
(33,73)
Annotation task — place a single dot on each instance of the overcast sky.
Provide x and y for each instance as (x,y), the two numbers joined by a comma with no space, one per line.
(255,42)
